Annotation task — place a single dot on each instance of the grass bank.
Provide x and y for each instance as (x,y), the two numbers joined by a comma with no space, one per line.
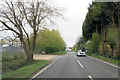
(25,71)
(110,60)
(59,53)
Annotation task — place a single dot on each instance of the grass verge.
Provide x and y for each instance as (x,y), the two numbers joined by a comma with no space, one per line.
(25,71)
(110,60)
(12,65)
(59,53)
(74,50)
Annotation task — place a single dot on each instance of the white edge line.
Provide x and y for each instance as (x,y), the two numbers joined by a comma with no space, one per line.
(104,62)
(80,63)
(43,70)
(90,77)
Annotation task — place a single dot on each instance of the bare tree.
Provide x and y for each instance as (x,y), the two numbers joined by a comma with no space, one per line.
(17,16)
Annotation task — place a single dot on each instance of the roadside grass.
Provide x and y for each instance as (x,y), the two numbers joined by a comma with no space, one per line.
(16,67)
(12,62)
(12,65)
(8,57)
(74,50)
(59,53)
(26,70)
(110,60)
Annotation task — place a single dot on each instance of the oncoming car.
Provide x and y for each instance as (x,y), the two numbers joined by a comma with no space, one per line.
(80,53)
(68,50)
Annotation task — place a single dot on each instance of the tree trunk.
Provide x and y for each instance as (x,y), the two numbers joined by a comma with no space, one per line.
(34,40)
(119,30)
(29,55)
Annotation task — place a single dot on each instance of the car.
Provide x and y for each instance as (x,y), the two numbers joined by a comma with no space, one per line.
(80,53)
(68,50)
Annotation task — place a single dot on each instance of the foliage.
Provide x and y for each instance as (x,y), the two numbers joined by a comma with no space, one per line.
(49,41)
(112,36)
(93,46)
(100,16)
(2,41)
(80,43)
(82,47)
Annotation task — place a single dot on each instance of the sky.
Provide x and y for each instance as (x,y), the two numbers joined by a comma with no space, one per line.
(74,15)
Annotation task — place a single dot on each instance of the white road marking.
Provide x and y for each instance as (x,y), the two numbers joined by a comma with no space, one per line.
(104,62)
(43,70)
(90,77)
(80,63)
(75,57)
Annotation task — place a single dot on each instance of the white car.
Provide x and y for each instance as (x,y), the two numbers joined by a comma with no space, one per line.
(80,53)
(68,50)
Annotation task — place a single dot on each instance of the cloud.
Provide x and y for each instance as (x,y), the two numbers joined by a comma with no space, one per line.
(71,27)
(75,13)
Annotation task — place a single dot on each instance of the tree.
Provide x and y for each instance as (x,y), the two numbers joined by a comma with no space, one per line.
(112,36)
(2,42)
(81,43)
(17,16)
(96,21)
(49,41)
(93,46)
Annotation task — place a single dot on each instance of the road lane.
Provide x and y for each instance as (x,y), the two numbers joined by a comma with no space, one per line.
(65,67)
(71,66)
(98,69)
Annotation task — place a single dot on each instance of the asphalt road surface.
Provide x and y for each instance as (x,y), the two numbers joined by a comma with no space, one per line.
(71,66)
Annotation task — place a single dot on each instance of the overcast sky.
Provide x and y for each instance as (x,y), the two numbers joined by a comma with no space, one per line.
(74,14)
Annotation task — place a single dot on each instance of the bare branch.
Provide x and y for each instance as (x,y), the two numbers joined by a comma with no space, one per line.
(8,27)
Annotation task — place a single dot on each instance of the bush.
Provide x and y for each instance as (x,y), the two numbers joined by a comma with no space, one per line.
(117,57)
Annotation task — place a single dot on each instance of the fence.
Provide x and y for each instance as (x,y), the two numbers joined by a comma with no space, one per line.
(11,49)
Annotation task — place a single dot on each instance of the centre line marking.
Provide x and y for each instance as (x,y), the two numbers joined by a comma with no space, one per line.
(80,63)
(75,57)
(90,77)
(43,70)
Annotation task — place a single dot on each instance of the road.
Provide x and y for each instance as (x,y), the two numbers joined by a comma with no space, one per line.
(71,66)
